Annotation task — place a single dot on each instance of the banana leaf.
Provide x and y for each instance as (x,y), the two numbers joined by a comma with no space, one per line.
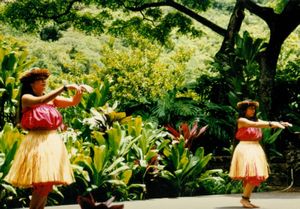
(273,137)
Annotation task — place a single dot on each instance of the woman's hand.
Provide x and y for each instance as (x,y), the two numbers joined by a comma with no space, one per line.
(72,101)
(74,87)
(275,124)
(282,125)
(286,124)
(86,88)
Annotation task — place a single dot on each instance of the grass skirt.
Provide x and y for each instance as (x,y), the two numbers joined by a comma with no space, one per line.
(41,159)
(249,163)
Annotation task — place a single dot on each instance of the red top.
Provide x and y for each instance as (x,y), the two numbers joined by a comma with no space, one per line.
(248,134)
(42,116)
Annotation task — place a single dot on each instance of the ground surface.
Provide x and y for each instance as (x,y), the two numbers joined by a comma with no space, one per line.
(266,200)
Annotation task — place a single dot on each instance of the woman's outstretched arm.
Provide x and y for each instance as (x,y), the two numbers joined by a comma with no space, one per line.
(72,101)
(244,122)
(29,100)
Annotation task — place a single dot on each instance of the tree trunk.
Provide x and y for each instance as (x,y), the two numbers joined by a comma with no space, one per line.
(227,48)
(268,63)
(233,29)
(281,26)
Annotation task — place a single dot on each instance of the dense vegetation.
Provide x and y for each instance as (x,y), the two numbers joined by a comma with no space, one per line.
(150,70)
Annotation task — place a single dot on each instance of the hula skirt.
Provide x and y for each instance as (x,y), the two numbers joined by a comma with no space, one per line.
(41,159)
(249,163)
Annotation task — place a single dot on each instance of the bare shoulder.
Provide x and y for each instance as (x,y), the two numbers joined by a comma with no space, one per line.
(244,122)
(27,98)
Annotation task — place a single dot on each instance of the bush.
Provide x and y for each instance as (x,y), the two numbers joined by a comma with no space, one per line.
(50,33)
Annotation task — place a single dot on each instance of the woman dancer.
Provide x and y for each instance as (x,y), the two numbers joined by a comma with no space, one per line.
(42,160)
(249,162)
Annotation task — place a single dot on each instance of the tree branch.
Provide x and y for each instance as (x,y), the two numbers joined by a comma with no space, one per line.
(56,17)
(146,6)
(291,13)
(221,31)
(265,13)
(285,22)
(67,10)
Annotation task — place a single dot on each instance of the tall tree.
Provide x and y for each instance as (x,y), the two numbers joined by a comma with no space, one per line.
(281,26)
(31,14)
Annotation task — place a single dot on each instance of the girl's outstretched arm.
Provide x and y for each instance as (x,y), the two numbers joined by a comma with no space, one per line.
(72,101)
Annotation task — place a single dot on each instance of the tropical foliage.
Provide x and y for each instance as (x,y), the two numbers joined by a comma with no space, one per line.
(191,135)
(138,75)
(10,139)
(13,60)
(183,169)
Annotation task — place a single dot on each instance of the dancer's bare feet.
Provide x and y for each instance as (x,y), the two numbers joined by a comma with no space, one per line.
(254,206)
(246,203)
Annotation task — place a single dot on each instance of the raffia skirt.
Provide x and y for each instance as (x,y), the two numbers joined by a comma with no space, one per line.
(42,158)
(249,163)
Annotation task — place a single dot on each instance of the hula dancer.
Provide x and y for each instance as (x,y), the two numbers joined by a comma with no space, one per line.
(249,162)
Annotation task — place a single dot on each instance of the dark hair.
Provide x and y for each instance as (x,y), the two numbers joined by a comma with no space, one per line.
(24,89)
(243,109)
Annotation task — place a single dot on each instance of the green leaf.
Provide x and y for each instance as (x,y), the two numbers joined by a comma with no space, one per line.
(114,138)
(99,157)
(273,137)
(9,188)
(2,92)
(1,81)
(9,62)
(119,170)
(9,158)
(99,137)
(167,175)
(126,176)
(150,155)
(114,165)
(116,182)
(84,161)
(10,80)
(135,126)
